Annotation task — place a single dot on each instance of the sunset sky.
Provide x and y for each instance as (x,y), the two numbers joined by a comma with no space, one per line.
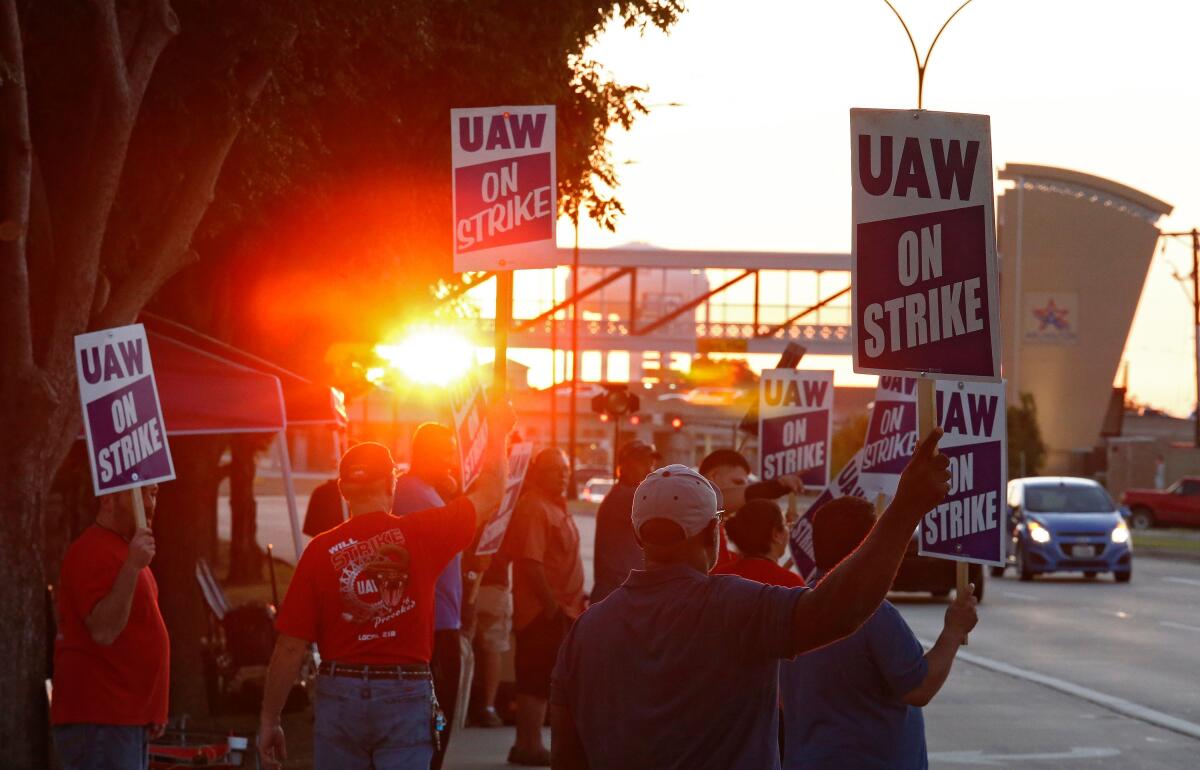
(757,156)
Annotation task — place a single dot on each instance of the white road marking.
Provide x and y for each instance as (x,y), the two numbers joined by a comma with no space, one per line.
(1184,581)
(1181,626)
(1026,597)
(1110,702)
(979,758)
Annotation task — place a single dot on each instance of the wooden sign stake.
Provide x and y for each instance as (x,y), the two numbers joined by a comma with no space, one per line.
(139,507)
(926,422)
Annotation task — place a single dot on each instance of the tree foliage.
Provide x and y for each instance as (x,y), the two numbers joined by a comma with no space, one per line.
(848,437)
(333,219)
(294,150)
(1026,450)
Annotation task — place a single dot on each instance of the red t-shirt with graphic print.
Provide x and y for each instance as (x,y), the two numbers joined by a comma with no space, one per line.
(363,591)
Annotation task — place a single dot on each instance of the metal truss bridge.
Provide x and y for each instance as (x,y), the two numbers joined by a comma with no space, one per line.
(645,299)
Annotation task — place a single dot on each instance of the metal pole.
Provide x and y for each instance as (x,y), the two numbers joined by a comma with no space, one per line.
(1196,323)
(572,417)
(554,359)
(504,309)
(289,484)
(616,442)
(1017,292)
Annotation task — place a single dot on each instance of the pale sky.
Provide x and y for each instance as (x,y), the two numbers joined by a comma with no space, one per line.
(758,156)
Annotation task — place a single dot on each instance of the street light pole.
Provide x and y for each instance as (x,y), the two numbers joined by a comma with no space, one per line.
(922,65)
(572,416)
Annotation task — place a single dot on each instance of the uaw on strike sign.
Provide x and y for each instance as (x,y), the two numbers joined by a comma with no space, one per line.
(970,524)
(127,441)
(468,409)
(795,410)
(924,279)
(505,194)
(800,540)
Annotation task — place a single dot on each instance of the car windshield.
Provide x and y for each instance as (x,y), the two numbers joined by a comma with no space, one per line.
(1064,498)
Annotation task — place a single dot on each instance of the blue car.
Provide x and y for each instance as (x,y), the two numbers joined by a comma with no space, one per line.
(1062,524)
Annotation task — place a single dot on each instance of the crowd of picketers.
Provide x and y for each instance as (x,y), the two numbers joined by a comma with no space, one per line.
(695,649)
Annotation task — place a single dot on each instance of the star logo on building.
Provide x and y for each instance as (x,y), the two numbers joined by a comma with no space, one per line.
(1052,316)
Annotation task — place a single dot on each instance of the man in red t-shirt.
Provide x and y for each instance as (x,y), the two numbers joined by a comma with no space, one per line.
(364,592)
(111,655)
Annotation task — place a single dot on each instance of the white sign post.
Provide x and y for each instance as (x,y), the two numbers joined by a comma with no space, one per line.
(122,416)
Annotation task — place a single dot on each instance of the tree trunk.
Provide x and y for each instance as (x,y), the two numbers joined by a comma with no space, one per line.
(23,717)
(184,507)
(245,558)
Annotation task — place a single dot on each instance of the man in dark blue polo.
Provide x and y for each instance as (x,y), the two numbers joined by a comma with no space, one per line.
(857,702)
(617,550)
(678,669)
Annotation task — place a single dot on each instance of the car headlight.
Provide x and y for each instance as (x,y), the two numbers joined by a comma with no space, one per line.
(1038,533)
(1121,533)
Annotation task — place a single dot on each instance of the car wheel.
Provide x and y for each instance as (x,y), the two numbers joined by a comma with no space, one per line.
(997,572)
(1123,577)
(1141,518)
(1022,568)
(1089,574)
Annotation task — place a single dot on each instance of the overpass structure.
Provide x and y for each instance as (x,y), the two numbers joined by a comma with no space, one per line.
(673,301)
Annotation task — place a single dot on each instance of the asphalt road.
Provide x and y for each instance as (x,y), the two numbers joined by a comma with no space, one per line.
(1138,642)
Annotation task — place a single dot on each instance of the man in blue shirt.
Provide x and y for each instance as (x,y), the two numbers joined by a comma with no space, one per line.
(617,550)
(678,669)
(857,703)
(429,481)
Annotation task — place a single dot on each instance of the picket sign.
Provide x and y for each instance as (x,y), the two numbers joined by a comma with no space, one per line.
(924,286)
(795,417)
(493,532)
(469,412)
(122,414)
(925,294)
(504,187)
(846,483)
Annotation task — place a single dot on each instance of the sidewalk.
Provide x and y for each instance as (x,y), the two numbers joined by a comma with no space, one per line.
(478,748)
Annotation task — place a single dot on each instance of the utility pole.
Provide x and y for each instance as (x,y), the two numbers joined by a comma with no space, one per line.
(1194,234)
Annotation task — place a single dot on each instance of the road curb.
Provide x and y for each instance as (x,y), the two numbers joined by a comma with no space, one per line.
(1104,700)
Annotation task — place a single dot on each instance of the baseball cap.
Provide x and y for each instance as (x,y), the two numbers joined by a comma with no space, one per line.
(635,447)
(679,494)
(365,462)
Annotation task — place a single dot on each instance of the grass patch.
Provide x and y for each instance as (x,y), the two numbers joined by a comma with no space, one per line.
(1185,542)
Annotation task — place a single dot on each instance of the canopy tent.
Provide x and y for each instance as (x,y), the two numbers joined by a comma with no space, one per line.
(204,393)
(206,386)
(306,402)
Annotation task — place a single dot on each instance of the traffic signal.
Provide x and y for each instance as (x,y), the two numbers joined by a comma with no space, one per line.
(675,421)
(615,401)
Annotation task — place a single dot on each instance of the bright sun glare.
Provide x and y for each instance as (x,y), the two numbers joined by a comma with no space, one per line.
(430,355)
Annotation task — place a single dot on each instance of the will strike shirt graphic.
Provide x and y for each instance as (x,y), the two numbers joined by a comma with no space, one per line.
(372,577)
(363,591)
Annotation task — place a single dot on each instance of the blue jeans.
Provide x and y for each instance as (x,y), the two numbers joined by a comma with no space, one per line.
(383,724)
(101,747)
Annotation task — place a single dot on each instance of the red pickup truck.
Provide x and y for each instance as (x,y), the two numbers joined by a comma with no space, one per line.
(1178,504)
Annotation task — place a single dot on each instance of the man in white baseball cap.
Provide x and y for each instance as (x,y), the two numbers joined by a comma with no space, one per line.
(678,669)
